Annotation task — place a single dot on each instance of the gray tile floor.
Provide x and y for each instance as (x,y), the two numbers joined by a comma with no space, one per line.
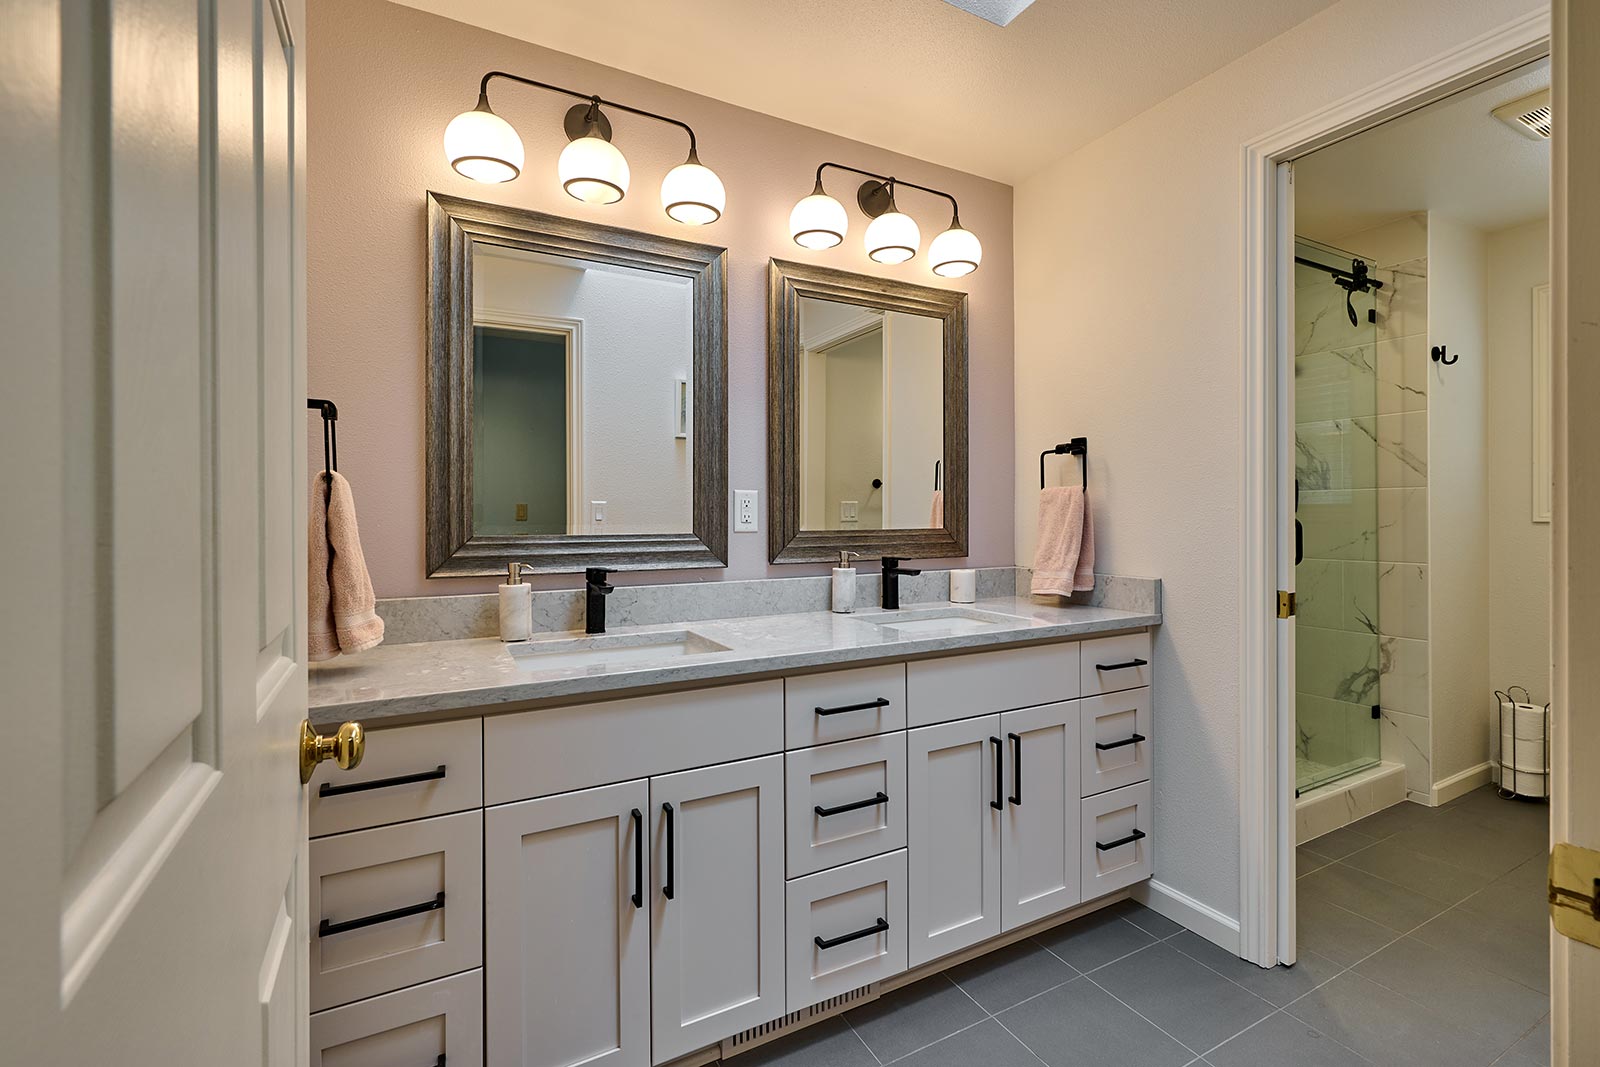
(1422,941)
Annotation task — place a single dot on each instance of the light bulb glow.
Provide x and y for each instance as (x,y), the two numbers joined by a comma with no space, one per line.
(592,169)
(818,221)
(892,237)
(482,146)
(693,194)
(955,252)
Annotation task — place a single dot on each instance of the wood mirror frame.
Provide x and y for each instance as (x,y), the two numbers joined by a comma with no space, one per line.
(454,226)
(787,284)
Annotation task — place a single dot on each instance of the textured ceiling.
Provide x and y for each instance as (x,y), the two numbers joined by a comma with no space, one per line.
(915,76)
(1452,157)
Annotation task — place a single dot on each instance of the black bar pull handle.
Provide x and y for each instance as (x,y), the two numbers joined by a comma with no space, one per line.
(327,928)
(873,801)
(1122,666)
(638,858)
(1107,746)
(667,880)
(830,942)
(440,1061)
(881,702)
(1016,769)
(998,803)
(330,790)
(1137,835)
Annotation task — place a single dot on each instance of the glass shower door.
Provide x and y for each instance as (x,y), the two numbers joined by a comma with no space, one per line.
(1338,654)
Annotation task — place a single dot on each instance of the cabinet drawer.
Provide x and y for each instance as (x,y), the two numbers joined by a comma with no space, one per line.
(838,705)
(1112,664)
(845,802)
(1117,745)
(538,753)
(437,1022)
(396,905)
(409,772)
(959,687)
(1116,839)
(845,928)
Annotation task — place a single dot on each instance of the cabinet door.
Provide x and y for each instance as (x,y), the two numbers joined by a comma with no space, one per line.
(953,836)
(568,952)
(1039,853)
(717,903)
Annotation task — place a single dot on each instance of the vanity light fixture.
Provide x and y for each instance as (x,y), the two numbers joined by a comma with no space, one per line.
(819,221)
(484,147)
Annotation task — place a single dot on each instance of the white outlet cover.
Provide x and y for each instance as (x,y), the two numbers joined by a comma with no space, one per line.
(745,519)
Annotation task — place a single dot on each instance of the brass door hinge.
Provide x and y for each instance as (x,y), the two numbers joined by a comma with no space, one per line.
(1285,604)
(1575,892)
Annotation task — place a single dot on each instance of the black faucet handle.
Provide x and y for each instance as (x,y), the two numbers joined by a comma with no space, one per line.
(596,578)
(891,565)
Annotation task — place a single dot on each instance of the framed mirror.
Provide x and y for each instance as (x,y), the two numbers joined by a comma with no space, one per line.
(577,408)
(866,416)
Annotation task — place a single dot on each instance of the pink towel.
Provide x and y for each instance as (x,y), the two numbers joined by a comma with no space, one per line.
(340,602)
(1063,562)
(936,519)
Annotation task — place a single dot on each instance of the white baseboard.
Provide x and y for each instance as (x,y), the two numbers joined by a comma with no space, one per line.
(1460,784)
(1188,912)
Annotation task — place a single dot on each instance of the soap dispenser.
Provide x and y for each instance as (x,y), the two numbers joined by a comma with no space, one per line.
(844,584)
(516,606)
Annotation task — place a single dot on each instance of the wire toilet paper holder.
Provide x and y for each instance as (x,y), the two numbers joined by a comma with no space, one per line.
(1507,705)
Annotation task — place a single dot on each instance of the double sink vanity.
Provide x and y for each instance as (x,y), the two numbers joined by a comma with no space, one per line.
(668,843)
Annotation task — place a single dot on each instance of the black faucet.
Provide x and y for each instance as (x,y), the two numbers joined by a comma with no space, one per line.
(595,588)
(891,581)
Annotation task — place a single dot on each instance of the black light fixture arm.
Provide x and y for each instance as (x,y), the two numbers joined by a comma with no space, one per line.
(592,100)
(892,182)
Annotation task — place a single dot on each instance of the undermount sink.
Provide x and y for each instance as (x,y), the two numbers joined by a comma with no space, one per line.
(942,621)
(605,652)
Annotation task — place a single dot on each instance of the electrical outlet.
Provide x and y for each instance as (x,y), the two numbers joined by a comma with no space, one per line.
(744,511)
(522,513)
(597,511)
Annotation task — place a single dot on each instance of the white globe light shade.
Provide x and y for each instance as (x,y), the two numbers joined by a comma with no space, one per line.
(893,237)
(693,194)
(818,221)
(482,146)
(955,252)
(593,170)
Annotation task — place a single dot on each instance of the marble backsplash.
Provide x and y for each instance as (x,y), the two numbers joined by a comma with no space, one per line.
(408,620)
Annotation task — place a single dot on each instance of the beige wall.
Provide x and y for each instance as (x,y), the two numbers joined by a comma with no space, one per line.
(384,81)
(1129,332)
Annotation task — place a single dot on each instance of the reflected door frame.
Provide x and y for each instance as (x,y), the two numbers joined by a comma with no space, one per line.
(572,331)
(815,344)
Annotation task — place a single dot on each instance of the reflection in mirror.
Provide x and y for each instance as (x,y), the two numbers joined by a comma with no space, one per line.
(871,418)
(581,372)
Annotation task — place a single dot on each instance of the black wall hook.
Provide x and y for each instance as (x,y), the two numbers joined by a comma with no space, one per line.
(1441,355)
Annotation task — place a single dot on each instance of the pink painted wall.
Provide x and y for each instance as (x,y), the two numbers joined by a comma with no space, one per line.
(384,80)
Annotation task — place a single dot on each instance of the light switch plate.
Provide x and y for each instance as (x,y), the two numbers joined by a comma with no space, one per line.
(744,511)
(849,510)
(597,511)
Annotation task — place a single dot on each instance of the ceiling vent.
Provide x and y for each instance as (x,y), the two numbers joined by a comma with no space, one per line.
(1529,116)
(999,12)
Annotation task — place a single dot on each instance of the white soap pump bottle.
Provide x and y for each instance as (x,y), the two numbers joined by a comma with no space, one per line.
(516,606)
(844,584)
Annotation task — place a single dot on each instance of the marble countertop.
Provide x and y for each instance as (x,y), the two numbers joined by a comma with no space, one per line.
(441,679)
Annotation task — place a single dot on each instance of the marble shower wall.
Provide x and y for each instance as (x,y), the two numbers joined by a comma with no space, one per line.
(1361,459)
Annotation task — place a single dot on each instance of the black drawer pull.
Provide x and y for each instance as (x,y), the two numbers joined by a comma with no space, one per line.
(881,702)
(1137,835)
(330,790)
(998,803)
(326,928)
(440,1061)
(1016,769)
(881,798)
(1106,746)
(1122,666)
(638,858)
(829,942)
(667,888)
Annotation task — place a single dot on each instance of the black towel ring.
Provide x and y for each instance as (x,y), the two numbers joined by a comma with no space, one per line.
(1078,446)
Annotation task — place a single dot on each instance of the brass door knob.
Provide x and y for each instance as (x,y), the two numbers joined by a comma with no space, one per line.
(347,746)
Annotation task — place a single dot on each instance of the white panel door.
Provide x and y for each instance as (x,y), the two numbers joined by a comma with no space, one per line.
(717,911)
(1039,836)
(567,956)
(953,817)
(153,655)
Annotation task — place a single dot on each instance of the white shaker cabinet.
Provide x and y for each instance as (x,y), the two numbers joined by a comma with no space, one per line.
(568,946)
(1039,854)
(953,817)
(717,908)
